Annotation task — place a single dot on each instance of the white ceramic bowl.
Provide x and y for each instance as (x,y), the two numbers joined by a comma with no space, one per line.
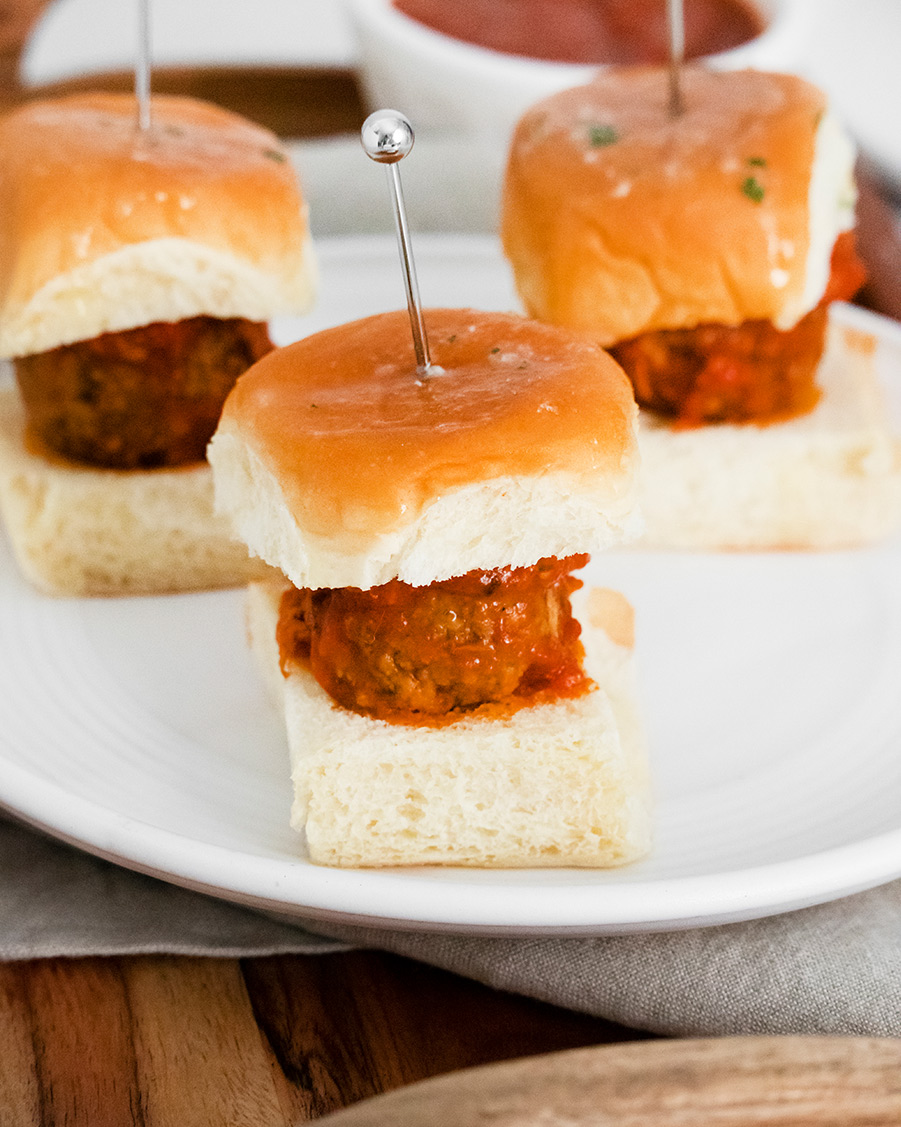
(446,85)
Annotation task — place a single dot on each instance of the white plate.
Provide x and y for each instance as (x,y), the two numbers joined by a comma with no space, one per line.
(137,727)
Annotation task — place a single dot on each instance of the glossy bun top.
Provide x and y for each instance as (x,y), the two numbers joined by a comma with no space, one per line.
(620,218)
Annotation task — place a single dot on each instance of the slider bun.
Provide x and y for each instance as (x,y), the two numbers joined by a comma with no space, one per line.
(81,531)
(619,219)
(339,468)
(103,229)
(827,479)
(562,784)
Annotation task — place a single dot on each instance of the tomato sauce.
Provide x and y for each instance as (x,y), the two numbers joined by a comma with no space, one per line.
(141,398)
(713,373)
(747,373)
(589,31)
(427,655)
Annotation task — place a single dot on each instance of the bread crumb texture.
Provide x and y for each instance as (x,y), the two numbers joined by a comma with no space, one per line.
(81,531)
(561,784)
(829,479)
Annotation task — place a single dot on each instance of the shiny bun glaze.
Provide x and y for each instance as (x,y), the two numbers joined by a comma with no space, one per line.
(620,219)
(359,444)
(79,183)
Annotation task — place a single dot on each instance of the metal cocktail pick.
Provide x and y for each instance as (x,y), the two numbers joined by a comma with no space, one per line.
(675,11)
(387,137)
(142,66)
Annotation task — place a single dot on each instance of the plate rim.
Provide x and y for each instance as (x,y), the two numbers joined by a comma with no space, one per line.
(753,895)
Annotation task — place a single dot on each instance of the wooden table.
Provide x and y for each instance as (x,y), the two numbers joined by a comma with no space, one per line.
(161,1040)
(157,1041)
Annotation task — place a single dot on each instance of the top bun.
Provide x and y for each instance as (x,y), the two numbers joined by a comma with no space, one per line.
(105,228)
(621,219)
(341,467)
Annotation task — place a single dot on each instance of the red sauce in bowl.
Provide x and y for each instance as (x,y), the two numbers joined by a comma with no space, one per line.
(589,31)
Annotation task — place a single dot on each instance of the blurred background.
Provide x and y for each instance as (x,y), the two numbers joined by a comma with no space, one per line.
(299,66)
(853,45)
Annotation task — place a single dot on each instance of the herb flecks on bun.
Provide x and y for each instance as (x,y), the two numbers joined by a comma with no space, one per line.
(442,704)
(138,269)
(703,247)
(342,469)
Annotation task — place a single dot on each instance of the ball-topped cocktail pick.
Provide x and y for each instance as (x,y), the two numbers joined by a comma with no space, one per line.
(387,137)
(142,67)
(675,12)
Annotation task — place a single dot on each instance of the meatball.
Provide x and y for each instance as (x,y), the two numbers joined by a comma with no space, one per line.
(727,374)
(420,654)
(141,398)
(752,372)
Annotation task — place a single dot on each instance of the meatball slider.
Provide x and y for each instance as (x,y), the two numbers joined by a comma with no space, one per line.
(440,704)
(704,250)
(137,271)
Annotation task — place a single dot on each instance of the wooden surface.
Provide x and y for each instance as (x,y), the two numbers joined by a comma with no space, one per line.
(178,1042)
(292,102)
(728,1082)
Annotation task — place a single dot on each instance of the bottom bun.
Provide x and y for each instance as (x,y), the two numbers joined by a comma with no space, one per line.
(76,530)
(562,784)
(829,479)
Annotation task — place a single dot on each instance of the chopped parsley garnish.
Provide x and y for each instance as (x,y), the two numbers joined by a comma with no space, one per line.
(274,154)
(495,349)
(757,162)
(452,338)
(601,135)
(753,189)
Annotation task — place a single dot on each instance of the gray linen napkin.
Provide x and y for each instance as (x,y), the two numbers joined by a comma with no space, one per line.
(57,901)
(833,969)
